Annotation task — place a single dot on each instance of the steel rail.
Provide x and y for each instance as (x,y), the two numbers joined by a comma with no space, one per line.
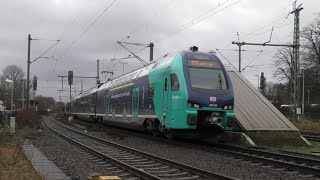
(312,137)
(132,169)
(277,159)
(194,170)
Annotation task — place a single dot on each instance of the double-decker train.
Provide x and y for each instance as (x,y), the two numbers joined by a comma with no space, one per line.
(189,92)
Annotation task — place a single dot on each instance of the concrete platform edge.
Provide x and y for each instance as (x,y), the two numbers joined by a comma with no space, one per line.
(46,168)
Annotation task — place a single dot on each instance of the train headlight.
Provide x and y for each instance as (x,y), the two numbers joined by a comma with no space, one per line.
(193,105)
(196,106)
(226,107)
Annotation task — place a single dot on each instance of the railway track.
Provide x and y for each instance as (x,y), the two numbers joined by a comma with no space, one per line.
(131,163)
(304,165)
(312,136)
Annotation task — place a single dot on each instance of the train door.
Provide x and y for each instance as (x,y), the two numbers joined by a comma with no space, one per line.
(135,104)
(165,100)
(107,106)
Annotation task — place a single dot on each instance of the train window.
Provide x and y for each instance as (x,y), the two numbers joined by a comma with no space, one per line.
(165,84)
(151,90)
(174,82)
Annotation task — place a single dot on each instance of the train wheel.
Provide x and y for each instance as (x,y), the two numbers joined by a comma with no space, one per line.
(156,128)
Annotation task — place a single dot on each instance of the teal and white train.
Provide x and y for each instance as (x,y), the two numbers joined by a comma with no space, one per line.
(189,92)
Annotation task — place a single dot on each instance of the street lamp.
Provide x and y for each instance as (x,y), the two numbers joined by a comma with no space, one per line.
(10,81)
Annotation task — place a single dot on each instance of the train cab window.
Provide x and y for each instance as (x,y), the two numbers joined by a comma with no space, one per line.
(174,82)
(165,84)
(151,90)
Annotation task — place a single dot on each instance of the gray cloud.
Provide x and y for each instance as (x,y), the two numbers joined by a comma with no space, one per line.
(67,19)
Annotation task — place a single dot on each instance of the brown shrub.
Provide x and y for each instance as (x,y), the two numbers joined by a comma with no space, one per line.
(29,118)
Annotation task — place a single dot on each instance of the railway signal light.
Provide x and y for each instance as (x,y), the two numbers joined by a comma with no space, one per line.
(35,83)
(70,77)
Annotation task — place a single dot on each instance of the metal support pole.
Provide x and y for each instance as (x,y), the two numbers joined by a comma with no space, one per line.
(62,83)
(70,102)
(239,57)
(81,86)
(12,97)
(98,72)
(60,103)
(28,73)
(302,104)
(258,82)
(22,93)
(295,82)
(151,51)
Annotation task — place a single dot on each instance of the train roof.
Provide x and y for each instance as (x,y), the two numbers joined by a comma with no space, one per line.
(135,74)
(85,93)
(162,62)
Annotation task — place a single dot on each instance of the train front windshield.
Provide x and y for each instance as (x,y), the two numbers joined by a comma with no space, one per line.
(206,76)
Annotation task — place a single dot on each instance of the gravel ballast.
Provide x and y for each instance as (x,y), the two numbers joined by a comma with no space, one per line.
(67,157)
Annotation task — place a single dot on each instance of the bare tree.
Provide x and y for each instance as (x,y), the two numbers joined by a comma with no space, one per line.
(16,74)
(282,63)
(311,34)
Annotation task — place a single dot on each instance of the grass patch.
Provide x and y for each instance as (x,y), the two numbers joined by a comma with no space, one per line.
(13,162)
(302,149)
(306,125)
(288,141)
(14,165)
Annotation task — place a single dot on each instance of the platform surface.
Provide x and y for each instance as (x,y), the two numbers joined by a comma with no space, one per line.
(253,111)
(46,168)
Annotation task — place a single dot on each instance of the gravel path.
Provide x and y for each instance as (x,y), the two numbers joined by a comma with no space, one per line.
(66,157)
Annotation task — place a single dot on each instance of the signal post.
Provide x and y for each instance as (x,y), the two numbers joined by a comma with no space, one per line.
(70,81)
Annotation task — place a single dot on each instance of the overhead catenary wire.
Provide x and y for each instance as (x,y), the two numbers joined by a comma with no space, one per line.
(140,59)
(262,27)
(252,60)
(137,28)
(226,59)
(198,19)
(88,28)
(41,56)
(237,50)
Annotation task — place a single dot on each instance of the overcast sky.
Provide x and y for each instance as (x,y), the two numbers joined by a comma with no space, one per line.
(171,24)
